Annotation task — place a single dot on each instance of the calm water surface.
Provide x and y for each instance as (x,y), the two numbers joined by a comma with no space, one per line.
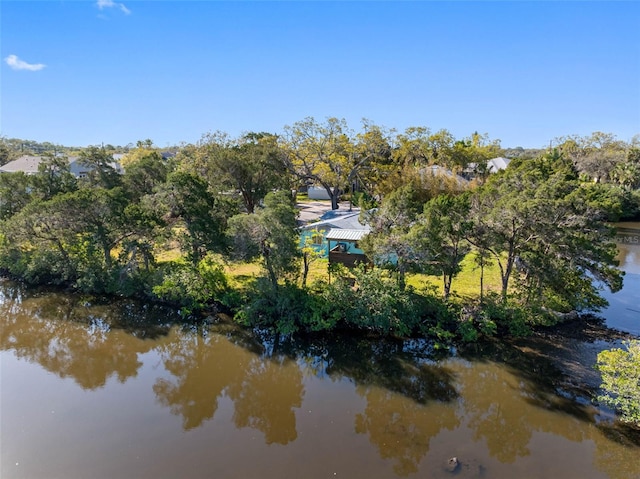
(624,306)
(119,391)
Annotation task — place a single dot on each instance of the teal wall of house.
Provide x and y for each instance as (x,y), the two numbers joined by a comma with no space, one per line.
(350,246)
(316,240)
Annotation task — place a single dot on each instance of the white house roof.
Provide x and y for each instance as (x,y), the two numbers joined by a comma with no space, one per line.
(347,235)
(497,164)
(29,165)
(348,222)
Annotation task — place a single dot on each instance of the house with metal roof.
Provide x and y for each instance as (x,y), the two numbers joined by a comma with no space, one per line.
(337,237)
(344,246)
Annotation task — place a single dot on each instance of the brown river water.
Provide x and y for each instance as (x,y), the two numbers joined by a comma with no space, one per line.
(118,390)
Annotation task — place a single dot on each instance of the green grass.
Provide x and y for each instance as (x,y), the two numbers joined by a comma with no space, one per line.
(465,284)
(240,274)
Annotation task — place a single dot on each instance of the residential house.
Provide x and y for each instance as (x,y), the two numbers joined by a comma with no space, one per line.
(493,166)
(336,237)
(496,164)
(344,246)
(28,164)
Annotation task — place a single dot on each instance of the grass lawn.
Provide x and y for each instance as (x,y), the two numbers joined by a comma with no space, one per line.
(240,274)
(466,284)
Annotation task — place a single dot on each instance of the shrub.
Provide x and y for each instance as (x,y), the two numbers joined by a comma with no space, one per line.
(287,309)
(499,317)
(374,303)
(192,287)
(620,370)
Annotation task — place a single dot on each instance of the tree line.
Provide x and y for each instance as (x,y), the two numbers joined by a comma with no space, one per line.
(543,222)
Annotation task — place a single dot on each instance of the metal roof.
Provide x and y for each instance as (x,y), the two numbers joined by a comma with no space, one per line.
(347,235)
(347,221)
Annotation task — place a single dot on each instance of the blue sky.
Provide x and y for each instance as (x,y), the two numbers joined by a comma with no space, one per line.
(86,72)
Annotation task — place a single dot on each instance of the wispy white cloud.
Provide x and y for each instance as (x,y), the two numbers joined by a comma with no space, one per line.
(102,4)
(16,64)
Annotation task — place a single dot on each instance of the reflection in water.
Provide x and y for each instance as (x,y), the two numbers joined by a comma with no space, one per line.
(188,400)
(70,338)
(400,428)
(206,367)
(624,306)
(406,394)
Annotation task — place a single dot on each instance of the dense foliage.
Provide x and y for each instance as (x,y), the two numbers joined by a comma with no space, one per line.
(166,229)
(620,369)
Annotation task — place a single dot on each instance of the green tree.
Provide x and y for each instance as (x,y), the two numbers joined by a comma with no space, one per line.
(250,165)
(101,167)
(620,370)
(595,155)
(144,174)
(375,304)
(53,177)
(7,153)
(310,254)
(143,149)
(194,213)
(325,154)
(42,240)
(412,147)
(14,193)
(71,239)
(269,234)
(374,149)
(536,216)
(626,174)
(441,234)
(389,242)
(193,287)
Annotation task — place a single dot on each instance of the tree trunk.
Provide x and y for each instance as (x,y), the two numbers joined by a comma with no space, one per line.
(481,282)
(305,270)
(335,196)
(446,280)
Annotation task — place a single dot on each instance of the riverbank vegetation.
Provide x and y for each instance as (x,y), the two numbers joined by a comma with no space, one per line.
(214,228)
(620,370)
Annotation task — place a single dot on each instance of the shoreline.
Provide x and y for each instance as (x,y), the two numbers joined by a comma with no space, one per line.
(573,347)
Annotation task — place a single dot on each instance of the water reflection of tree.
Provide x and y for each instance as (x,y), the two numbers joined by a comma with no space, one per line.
(408,395)
(612,451)
(494,392)
(206,367)
(504,377)
(394,365)
(70,338)
(265,397)
(400,428)
(202,366)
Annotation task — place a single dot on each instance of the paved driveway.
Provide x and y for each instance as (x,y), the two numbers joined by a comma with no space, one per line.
(313,210)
